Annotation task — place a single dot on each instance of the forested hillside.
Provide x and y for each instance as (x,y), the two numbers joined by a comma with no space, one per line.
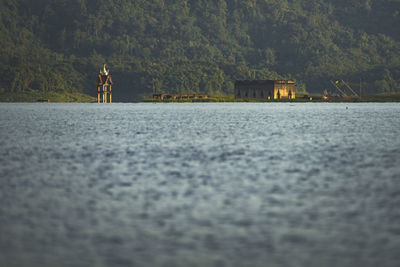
(197,45)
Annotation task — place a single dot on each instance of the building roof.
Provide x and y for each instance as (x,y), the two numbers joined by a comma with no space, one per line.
(261,82)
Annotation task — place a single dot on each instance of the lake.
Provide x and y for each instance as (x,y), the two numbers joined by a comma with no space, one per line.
(210,184)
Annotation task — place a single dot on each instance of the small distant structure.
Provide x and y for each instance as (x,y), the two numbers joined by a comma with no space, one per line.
(179,96)
(104,86)
(265,89)
(43,100)
(325,96)
(345,91)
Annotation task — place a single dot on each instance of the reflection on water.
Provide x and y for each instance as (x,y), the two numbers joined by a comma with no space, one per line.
(200,185)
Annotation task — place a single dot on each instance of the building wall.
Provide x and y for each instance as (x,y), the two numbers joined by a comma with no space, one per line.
(254,90)
(253,93)
(284,90)
(264,89)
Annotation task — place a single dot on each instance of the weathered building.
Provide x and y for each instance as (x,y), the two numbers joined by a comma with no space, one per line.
(104,86)
(265,89)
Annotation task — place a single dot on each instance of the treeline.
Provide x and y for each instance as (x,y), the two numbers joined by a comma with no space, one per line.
(197,45)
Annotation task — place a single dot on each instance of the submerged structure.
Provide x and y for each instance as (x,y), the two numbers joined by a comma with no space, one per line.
(179,96)
(265,89)
(104,86)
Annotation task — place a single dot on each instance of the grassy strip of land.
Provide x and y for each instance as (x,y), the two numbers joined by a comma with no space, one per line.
(364,98)
(298,99)
(202,100)
(34,96)
(368,98)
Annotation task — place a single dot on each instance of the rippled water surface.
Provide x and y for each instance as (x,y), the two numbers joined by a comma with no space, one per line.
(179,185)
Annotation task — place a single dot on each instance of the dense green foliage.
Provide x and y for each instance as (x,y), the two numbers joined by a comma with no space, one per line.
(197,45)
(36,95)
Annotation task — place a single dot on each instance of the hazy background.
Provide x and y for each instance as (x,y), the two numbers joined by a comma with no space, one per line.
(197,45)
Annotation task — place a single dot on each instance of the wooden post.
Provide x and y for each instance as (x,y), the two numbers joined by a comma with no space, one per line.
(104,93)
(348,86)
(337,87)
(98,94)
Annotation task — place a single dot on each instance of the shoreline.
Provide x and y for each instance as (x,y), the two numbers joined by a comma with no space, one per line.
(54,97)
(378,98)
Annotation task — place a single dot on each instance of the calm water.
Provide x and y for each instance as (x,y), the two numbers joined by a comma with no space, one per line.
(179,185)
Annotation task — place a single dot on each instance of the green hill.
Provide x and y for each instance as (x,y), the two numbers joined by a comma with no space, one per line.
(195,46)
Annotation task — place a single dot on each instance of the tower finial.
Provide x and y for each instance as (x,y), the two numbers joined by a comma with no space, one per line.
(105,72)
